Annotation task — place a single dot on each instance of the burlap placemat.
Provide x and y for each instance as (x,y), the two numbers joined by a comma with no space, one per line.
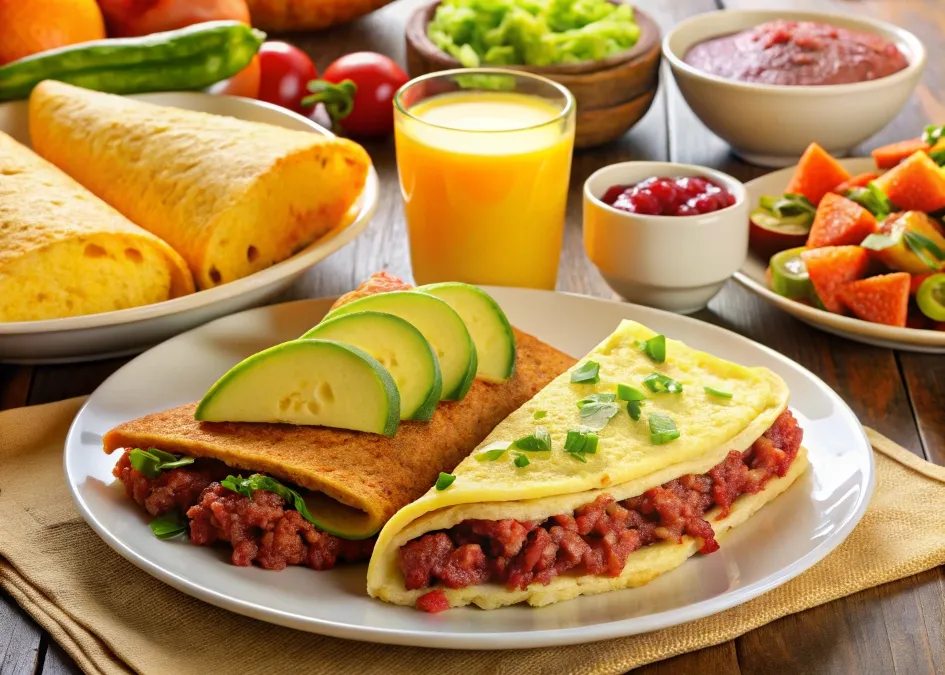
(113,618)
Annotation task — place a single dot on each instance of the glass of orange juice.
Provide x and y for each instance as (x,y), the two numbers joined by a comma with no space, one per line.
(484,158)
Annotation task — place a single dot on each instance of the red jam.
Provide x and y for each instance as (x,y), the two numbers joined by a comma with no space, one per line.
(661,196)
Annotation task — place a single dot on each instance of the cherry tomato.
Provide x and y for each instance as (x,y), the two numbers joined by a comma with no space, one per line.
(244,83)
(368,111)
(284,72)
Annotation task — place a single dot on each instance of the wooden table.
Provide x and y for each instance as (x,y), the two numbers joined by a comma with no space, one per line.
(897,628)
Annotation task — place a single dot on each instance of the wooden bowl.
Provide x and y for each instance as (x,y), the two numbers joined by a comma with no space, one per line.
(612,94)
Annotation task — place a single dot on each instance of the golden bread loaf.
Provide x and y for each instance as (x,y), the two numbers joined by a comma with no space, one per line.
(232,197)
(64,252)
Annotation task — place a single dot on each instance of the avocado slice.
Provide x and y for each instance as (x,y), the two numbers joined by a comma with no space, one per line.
(400,348)
(487,324)
(307,382)
(440,325)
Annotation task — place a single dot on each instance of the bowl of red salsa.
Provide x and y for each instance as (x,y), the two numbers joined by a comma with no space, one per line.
(771,82)
(663,234)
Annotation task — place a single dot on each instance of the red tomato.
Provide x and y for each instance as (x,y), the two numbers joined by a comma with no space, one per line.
(284,72)
(377,79)
(244,83)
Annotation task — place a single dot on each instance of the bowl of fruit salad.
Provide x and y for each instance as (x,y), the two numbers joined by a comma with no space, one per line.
(857,246)
(663,234)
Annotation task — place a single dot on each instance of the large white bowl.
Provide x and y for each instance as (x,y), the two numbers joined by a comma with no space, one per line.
(128,331)
(771,125)
(676,263)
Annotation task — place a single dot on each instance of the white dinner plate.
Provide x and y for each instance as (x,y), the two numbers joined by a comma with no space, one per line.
(128,331)
(752,275)
(785,538)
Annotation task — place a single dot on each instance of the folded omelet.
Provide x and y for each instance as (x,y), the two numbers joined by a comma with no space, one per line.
(562,523)
(64,252)
(231,196)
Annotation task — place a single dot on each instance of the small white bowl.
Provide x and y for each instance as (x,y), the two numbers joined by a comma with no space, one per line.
(771,125)
(675,263)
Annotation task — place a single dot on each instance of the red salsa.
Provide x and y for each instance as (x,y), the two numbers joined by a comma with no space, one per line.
(798,53)
(661,196)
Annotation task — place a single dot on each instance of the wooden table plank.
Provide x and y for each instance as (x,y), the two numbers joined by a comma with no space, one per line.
(925,376)
(19,639)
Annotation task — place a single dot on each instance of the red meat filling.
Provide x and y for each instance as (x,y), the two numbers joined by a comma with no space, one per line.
(598,537)
(260,529)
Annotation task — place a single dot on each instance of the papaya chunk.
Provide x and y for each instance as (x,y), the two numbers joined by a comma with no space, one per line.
(817,174)
(916,184)
(881,299)
(840,222)
(861,180)
(890,155)
(831,267)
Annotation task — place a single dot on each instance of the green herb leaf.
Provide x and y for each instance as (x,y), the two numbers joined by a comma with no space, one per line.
(872,199)
(924,248)
(932,134)
(717,392)
(444,481)
(163,456)
(493,451)
(540,441)
(152,462)
(596,398)
(575,440)
(521,461)
(587,373)
(590,445)
(662,429)
(787,205)
(596,416)
(540,414)
(659,383)
(655,348)
(627,393)
(257,481)
(879,242)
(176,464)
(580,442)
(169,525)
(634,409)
(938,156)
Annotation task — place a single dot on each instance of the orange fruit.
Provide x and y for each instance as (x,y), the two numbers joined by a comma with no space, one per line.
(31,26)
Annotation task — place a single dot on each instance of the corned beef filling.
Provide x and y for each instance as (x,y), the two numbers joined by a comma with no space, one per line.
(598,537)
(260,529)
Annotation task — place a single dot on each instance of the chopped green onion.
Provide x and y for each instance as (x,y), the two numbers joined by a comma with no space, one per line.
(540,441)
(662,429)
(655,348)
(169,525)
(717,392)
(540,414)
(444,481)
(493,451)
(590,445)
(580,442)
(521,461)
(575,440)
(627,393)
(634,409)
(657,383)
(587,373)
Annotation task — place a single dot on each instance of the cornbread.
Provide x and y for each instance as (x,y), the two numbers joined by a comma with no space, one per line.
(232,197)
(64,252)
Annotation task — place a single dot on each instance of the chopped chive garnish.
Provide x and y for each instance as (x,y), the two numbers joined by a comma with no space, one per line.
(657,383)
(662,429)
(521,461)
(627,393)
(493,451)
(587,373)
(575,440)
(444,481)
(580,442)
(540,414)
(717,392)
(590,446)
(169,525)
(633,408)
(655,348)
(539,441)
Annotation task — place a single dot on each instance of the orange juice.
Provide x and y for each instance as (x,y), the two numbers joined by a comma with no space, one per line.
(484,177)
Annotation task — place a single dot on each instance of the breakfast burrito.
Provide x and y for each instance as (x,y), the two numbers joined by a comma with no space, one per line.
(231,196)
(642,455)
(284,494)
(64,252)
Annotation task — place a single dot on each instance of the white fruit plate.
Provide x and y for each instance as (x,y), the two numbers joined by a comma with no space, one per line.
(128,331)
(752,276)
